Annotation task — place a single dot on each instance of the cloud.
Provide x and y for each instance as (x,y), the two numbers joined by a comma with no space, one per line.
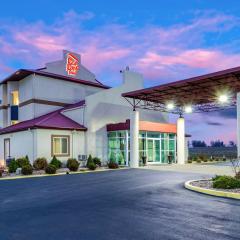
(161,53)
(214,123)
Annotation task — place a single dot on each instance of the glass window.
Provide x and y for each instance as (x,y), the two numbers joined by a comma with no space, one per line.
(171,136)
(171,145)
(142,144)
(142,134)
(153,135)
(164,143)
(111,134)
(15,98)
(60,145)
(121,134)
(164,135)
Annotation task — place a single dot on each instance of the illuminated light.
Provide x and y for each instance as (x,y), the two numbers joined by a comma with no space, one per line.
(72,64)
(223,98)
(188,109)
(170,106)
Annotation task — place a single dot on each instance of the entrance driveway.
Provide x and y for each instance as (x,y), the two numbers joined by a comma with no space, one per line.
(126,204)
(211,169)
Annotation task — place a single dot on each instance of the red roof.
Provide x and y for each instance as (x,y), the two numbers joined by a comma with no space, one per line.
(144,126)
(22,73)
(52,120)
(202,92)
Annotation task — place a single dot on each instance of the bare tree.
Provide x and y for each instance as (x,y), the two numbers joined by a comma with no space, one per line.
(235,165)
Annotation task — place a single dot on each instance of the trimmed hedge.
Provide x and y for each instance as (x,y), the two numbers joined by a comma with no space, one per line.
(23,162)
(12,167)
(50,169)
(97,161)
(40,163)
(27,170)
(226,182)
(57,163)
(113,165)
(92,166)
(72,164)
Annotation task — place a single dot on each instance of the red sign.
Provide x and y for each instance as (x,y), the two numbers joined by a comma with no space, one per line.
(72,64)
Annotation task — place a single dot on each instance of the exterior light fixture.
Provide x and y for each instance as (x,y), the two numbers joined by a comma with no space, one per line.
(188,109)
(223,98)
(170,106)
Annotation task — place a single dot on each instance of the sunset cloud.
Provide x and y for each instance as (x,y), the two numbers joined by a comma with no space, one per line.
(161,53)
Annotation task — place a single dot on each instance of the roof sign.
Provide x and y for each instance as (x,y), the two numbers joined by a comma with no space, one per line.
(72,64)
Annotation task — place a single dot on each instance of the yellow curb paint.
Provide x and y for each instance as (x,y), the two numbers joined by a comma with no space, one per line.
(58,174)
(211,191)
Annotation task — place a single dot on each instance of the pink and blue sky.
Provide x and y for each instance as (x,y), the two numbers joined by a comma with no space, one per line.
(164,40)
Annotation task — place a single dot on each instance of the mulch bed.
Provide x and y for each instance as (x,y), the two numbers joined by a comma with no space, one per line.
(209,185)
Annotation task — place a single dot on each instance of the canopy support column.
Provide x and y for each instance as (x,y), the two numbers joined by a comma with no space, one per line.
(181,154)
(238,124)
(134,135)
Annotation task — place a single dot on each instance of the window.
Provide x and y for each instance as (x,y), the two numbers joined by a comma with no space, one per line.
(15,98)
(14,122)
(60,145)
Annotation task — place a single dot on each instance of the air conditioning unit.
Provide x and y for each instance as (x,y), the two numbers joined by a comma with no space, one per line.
(82,157)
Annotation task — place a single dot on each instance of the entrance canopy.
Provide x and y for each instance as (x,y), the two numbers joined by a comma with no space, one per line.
(210,92)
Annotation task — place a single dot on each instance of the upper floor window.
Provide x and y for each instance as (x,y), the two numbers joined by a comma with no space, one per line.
(15,98)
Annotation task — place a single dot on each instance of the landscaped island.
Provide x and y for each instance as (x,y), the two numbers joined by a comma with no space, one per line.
(224,186)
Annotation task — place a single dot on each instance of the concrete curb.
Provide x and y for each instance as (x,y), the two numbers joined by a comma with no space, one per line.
(58,174)
(212,192)
(206,163)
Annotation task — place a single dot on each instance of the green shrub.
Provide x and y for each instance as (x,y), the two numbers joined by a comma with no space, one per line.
(198,160)
(226,182)
(22,162)
(97,161)
(205,160)
(113,165)
(72,164)
(40,163)
(56,162)
(189,161)
(50,169)
(12,167)
(89,160)
(92,166)
(27,170)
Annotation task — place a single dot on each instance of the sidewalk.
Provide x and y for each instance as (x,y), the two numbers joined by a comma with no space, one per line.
(216,169)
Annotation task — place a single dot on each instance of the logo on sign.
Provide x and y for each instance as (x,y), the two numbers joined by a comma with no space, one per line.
(72,64)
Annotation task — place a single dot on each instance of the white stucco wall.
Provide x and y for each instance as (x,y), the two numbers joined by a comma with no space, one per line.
(21,144)
(50,89)
(109,106)
(43,143)
(76,114)
(37,143)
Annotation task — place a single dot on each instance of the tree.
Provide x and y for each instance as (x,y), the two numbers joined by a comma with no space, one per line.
(197,143)
(232,144)
(217,143)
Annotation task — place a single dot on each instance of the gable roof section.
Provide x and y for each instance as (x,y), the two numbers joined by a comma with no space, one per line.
(22,73)
(52,120)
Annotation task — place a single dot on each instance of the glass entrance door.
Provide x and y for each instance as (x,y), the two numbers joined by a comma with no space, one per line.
(153,150)
(150,152)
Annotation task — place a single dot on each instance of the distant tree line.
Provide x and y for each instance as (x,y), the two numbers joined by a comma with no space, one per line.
(216,143)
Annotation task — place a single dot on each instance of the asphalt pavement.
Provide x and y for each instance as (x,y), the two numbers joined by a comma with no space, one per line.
(125,204)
